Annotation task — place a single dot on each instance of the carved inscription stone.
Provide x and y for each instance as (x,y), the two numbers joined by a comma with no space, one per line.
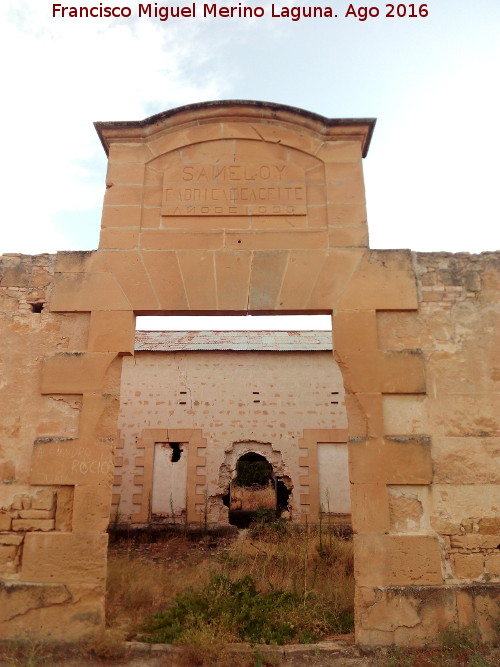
(260,188)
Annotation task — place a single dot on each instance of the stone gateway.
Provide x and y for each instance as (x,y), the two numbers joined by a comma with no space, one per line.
(250,207)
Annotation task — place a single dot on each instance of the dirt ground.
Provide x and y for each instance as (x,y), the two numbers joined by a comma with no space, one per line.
(324,654)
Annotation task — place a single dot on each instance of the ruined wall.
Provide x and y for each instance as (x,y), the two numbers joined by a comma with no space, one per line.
(37,524)
(416,340)
(230,397)
(457,501)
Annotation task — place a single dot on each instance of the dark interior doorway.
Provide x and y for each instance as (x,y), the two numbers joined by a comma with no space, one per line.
(252,491)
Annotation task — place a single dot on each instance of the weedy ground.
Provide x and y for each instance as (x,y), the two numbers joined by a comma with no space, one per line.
(274,584)
(453,648)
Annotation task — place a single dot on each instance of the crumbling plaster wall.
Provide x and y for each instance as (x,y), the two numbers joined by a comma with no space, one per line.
(47,567)
(264,397)
(456,327)
(406,590)
(424,555)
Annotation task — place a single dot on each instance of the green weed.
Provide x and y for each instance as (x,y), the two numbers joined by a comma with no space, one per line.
(238,609)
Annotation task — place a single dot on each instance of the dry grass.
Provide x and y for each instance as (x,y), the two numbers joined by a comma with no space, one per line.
(453,647)
(293,562)
(252,498)
(143,582)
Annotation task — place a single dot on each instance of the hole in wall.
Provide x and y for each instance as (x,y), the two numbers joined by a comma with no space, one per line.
(252,489)
(253,470)
(176,451)
(282,495)
(37,307)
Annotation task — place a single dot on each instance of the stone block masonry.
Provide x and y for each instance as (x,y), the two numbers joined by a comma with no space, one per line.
(415,339)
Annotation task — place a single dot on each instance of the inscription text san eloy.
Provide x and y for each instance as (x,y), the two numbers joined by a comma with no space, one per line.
(233,189)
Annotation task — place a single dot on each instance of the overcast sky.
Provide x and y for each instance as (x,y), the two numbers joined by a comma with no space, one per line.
(432,175)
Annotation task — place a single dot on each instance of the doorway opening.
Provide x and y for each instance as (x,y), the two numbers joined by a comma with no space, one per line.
(253,385)
(303,322)
(254,415)
(252,490)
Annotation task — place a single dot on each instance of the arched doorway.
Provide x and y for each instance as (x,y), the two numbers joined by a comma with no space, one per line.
(255,489)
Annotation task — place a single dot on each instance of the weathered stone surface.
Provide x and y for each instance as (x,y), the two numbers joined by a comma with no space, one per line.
(492,564)
(17,598)
(128,270)
(468,566)
(5,521)
(405,460)
(370,508)
(112,332)
(91,508)
(35,514)
(99,414)
(489,526)
(53,612)
(7,554)
(384,281)
(64,508)
(390,372)
(478,605)
(64,558)
(453,417)
(397,560)
(44,500)
(33,524)
(7,469)
(475,541)
(405,413)
(391,613)
(466,460)
(409,508)
(17,503)
(11,538)
(75,372)
(457,505)
(75,292)
(403,616)
(68,461)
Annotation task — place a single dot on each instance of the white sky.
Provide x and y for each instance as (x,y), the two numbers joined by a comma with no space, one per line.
(432,175)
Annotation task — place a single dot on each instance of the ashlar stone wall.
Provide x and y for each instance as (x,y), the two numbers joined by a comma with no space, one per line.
(416,341)
(450,512)
(52,540)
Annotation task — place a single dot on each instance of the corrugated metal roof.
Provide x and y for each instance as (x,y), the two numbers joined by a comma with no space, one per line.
(273,341)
